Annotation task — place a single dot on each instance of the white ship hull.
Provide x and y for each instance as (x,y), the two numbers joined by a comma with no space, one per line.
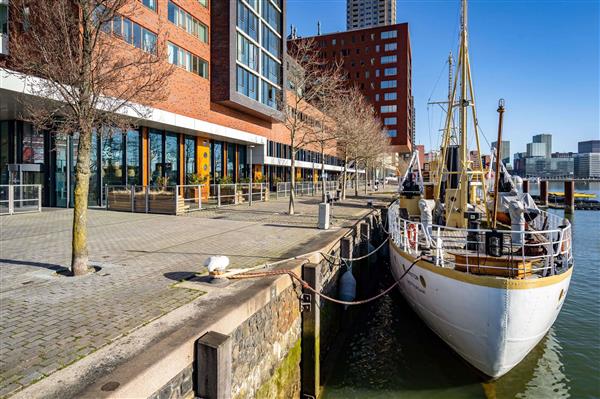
(492,322)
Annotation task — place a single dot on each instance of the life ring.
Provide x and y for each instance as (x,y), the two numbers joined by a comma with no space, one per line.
(412,234)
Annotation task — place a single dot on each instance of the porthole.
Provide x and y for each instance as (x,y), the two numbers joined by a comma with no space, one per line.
(205,154)
(422,280)
(205,167)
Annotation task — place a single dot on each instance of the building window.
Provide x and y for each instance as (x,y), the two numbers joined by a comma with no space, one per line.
(271,69)
(390,34)
(376,97)
(247,83)
(390,71)
(392,133)
(247,20)
(377,47)
(134,34)
(271,15)
(333,42)
(186,60)
(388,84)
(390,121)
(390,96)
(271,42)
(4,19)
(269,95)
(203,2)
(112,157)
(231,161)
(151,4)
(247,53)
(171,158)
(133,156)
(216,153)
(388,59)
(156,154)
(391,46)
(185,21)
(388,108)
(190,157)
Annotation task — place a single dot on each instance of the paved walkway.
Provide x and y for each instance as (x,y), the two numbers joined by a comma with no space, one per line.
(48,321)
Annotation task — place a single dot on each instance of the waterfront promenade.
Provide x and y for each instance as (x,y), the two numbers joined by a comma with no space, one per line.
(48,322)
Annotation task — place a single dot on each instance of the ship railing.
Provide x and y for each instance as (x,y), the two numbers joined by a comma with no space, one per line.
(532,251)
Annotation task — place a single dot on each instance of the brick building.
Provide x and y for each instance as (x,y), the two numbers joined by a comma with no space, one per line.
(220,112)
(378,60)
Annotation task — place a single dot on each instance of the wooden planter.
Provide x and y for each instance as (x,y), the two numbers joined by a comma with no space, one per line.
(119,201)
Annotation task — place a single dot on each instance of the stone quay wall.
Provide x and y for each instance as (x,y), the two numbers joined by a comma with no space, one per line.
(267,345)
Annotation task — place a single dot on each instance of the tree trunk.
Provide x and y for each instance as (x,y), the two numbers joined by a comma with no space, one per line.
(79,254)
(322,174)
(345,177)
(292,183)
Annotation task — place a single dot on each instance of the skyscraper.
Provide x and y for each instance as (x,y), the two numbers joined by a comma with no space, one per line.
(370,13)
(544,138)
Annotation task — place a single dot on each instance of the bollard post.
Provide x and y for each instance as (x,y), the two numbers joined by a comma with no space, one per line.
(200,197)
(132,190)
(346,247)
(39,194)
(544,192)
(213,365)
(525,186)
(311,331)
(250,194)
(218,195)
(569,196)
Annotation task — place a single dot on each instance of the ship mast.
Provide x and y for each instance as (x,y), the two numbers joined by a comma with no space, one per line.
(458,174)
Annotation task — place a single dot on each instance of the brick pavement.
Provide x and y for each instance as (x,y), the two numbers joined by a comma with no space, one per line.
(48,321)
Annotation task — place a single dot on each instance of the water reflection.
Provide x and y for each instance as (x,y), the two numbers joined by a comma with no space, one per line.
(392,354)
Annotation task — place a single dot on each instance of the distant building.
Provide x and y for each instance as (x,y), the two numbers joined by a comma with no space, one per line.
(519,163)
(587,165)
(370,13)
(586,147)
(563,155)
(537,150)
(504,151)
(549,167)
(546,139)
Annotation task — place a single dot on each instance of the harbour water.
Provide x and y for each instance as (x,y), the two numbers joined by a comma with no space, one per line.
(390,353)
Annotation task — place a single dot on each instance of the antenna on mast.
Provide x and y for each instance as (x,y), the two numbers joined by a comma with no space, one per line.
(318,28)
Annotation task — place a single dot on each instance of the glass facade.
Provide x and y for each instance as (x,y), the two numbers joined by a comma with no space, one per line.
(155,156)
(231,172)
(190,158)
(260,78)
(171,158)
(216,161)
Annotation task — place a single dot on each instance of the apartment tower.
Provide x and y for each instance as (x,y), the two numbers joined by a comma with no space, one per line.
(370,13)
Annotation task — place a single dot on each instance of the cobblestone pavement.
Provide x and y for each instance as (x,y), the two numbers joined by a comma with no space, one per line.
(48,321)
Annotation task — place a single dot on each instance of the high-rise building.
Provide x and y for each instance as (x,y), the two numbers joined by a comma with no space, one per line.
(378,60)
(546,139)
(504,151)
(537,149)
(587,165)
(590,146)
(369,13)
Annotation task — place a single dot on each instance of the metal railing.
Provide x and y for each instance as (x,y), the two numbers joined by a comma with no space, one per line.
(182,198)
(545,248)
(20,198)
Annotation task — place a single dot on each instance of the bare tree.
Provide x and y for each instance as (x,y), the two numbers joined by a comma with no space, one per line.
(313,82)
(354,119)
(84,78)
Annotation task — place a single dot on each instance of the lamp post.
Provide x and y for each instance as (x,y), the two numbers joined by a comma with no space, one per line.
(251,179)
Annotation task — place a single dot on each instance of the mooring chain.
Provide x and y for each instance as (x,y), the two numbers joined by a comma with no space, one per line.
(307,286)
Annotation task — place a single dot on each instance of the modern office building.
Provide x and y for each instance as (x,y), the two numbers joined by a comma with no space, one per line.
(587,165)
(504,151)
(590,146)
(537,150)
(549,167)
(369,13)
(379,61)
(547,140)
(220,113)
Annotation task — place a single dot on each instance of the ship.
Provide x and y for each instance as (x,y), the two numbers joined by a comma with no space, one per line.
(479,263)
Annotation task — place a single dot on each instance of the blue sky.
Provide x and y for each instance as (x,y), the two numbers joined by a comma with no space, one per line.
(542,57)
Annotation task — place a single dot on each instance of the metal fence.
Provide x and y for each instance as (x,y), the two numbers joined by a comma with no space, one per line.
(20,198)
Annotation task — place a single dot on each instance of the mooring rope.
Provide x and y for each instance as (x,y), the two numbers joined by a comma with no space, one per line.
(307,286)
(358,258)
